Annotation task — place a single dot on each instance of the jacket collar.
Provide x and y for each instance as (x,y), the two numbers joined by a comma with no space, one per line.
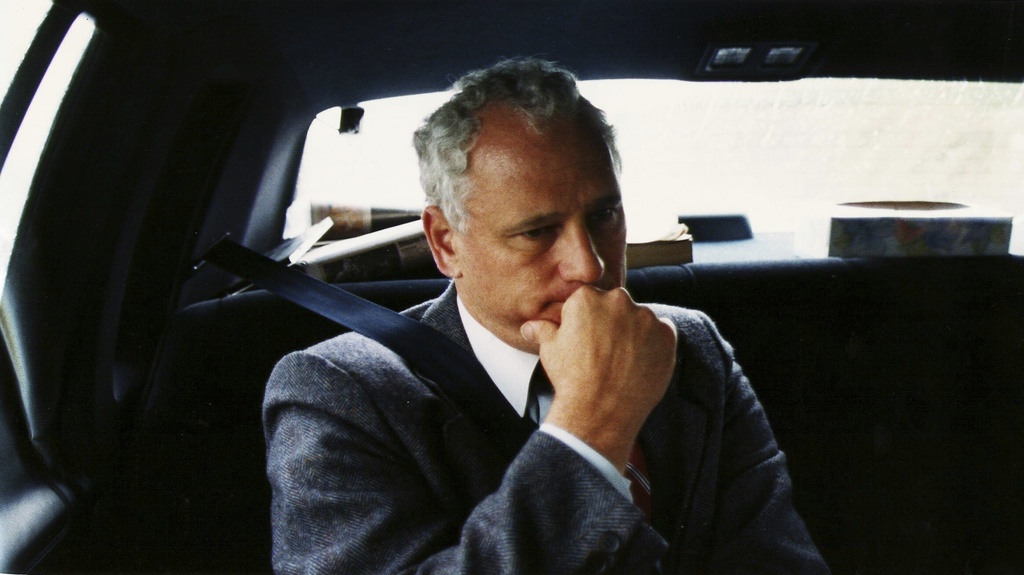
(442,314)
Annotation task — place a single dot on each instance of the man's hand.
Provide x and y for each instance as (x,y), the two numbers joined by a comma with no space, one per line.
(609,362)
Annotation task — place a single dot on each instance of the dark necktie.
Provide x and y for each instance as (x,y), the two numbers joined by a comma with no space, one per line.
(636,467)
(540,386)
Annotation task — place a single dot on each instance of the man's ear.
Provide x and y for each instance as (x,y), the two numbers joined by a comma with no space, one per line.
(441,237)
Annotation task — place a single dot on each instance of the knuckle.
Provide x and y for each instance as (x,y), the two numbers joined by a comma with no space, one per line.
(585,292)
(620,295)
(619,299)
(645,314)
(670,326)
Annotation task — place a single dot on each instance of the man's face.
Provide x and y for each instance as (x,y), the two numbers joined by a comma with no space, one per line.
(544,218)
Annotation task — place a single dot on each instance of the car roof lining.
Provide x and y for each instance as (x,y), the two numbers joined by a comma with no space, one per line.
(383,49)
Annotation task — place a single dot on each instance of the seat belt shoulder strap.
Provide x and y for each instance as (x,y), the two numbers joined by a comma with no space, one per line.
(435,356)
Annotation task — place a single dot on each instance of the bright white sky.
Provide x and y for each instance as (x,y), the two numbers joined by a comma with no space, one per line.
(770,150)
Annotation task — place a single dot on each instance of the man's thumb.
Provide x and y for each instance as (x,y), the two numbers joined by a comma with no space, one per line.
(538,330)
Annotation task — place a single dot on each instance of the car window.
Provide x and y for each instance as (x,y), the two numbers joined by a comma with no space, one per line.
(20,164)
(770,150)
(19,20)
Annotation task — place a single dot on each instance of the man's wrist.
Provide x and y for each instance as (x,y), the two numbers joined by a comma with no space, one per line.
(612,439)
(600,462)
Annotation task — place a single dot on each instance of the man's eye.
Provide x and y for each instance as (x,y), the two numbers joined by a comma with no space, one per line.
(537,233)
(607,215)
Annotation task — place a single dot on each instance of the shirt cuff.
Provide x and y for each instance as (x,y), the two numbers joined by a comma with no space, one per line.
(600,462)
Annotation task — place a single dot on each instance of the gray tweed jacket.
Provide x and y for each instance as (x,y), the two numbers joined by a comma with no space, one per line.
(373,470)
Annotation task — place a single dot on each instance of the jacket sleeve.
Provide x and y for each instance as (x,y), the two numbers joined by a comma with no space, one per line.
(351,494)
(756,527)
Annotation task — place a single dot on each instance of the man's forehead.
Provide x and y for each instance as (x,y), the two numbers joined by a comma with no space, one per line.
(518,171)
(506,141)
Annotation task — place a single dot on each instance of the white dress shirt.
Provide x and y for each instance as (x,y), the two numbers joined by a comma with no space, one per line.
(511,370)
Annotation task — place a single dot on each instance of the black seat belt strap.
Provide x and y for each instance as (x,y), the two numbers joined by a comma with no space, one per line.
(439,359)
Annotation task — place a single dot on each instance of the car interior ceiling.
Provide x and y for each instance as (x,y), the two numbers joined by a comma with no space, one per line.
(130,394)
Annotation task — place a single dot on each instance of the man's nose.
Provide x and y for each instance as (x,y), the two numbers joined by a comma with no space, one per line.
(579,259)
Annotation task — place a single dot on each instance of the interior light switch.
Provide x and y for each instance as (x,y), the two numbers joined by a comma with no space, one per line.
(783,56)
(730,57)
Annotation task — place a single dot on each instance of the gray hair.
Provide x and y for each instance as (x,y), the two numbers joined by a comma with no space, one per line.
(538,89)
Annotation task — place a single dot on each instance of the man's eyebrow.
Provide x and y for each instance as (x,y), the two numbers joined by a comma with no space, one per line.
(534,222)
(545,219)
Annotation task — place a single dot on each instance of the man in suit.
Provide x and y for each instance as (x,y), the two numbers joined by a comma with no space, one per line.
(652,452)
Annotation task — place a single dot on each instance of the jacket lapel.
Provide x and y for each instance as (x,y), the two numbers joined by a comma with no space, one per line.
(672,440)
(481,460)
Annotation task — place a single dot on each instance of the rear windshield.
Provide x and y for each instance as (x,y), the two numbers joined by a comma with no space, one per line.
(771,151)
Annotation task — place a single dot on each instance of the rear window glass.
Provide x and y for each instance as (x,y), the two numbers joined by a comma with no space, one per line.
(772,151)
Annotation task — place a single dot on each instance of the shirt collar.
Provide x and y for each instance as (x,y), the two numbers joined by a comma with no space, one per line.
(510,369)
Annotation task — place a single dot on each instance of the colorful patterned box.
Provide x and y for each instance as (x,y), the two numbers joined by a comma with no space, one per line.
(903,229)
(917,229)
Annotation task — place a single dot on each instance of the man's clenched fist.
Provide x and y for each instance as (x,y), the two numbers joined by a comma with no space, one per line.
(609,362)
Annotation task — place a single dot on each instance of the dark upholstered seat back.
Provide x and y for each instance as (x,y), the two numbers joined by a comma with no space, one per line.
(896,387)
